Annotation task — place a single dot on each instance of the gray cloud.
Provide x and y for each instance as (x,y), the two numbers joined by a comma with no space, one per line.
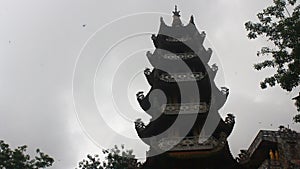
(39,44)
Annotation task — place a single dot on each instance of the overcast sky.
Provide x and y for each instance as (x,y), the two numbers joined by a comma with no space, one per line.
(42,41)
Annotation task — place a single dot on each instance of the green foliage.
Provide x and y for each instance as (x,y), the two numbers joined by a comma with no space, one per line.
(114,159)
(17,159)
(282,28)
(297,118)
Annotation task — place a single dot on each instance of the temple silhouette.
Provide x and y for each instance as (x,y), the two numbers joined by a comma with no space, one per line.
(185,130)
(181,72)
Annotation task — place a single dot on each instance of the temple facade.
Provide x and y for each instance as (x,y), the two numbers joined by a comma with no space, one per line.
(185,130)
(272,150)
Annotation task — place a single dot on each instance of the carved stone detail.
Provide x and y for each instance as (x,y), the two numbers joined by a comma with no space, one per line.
(185,108)
(188,143)
(179,56)
(180,77)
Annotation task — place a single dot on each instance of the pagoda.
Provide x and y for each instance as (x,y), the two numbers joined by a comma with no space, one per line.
(185,130)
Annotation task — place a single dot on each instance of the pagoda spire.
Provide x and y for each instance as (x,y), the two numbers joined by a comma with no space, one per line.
(176,13)
(176,18)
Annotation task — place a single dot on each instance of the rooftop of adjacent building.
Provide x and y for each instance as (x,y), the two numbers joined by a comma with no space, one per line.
(270,148)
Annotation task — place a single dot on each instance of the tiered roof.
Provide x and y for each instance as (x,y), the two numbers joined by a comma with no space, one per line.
(181,60)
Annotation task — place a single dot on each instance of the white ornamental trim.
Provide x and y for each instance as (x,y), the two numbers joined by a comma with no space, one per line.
(183,39)
(179,56)
(188,143)
(185,108)
(181,77)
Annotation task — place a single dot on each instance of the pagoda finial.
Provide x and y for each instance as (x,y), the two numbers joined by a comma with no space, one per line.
(176,12)
(176,18)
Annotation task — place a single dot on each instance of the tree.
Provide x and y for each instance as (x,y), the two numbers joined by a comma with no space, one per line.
(282,29)
(114,159)
(17,159)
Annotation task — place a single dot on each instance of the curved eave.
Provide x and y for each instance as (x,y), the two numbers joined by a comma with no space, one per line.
(205,54)
(225,127)
(212,71)
(149,76)
(208,54)
(187,45)
(143,138)
(156,127)
(219,96)
(186,30)
(221,100)
(152,59)
(144,103)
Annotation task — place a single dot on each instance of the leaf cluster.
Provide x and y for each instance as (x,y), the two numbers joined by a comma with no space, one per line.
(18,159)
(282,28)
(115,158)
